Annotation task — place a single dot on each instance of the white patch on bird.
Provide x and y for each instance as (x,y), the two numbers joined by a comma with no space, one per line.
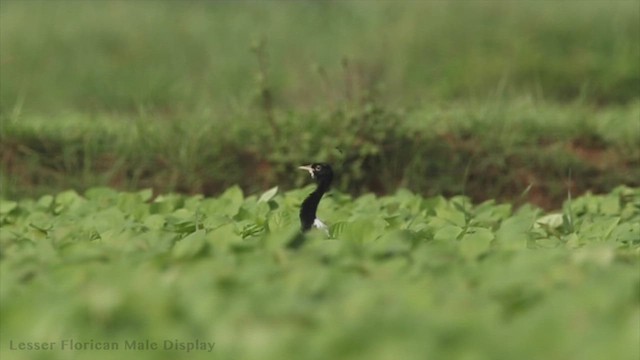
(309,169)
(320,225)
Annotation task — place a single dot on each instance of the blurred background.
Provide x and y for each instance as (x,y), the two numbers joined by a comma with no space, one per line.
(522,101)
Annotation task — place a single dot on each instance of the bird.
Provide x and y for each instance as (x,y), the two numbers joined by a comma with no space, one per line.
(323,176)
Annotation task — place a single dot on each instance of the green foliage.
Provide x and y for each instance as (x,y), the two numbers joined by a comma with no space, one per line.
(167,56)
(491,99)
(505,150)
(461,102)
(401,276)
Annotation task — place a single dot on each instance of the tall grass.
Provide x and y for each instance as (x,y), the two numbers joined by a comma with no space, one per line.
(485,150)
(122,55)
(486,98)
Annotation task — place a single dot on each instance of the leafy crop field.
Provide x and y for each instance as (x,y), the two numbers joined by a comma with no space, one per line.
(486,203)
(402,276)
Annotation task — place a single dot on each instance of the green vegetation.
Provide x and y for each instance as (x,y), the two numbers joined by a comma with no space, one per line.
(168,56)
(520,101)
(403,276)
(486,204)
(494,150)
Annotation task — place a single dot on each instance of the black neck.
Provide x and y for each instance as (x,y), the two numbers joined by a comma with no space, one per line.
(323,185)
(310,205)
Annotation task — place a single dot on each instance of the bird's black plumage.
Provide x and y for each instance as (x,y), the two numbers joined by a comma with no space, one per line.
(323,175)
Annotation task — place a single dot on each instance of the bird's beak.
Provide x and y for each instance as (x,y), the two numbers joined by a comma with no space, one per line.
(308,168)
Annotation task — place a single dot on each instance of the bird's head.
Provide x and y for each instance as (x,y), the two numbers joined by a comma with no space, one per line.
(320,172)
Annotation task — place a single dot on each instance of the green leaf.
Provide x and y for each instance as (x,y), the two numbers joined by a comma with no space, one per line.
(268,195)
(448,233)
(103,195)
(513,233)
(475,242)
(190,246)
(154,221)
(7,206)
(363,230)
(223,237)
(145,195)
(628,233)
(232,201)
(45,202)
(599,229)
(452,216)
(552,221)
(67,200)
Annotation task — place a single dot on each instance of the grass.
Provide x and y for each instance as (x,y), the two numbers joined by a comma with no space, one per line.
(490,150)
(403,275)
(488,161)
(487,99)
(119,56)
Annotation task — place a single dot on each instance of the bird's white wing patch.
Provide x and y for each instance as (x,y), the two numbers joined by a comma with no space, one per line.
(320,225)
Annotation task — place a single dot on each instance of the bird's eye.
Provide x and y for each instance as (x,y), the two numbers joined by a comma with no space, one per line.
(317,168)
